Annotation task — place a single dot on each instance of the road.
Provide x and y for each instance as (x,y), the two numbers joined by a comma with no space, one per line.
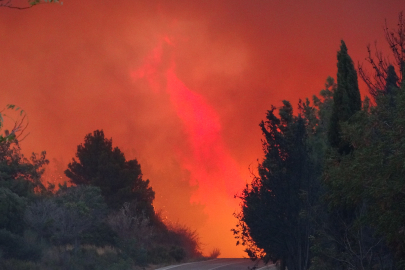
(219,264)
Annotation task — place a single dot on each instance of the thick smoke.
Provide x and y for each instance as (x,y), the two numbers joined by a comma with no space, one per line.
(71,67)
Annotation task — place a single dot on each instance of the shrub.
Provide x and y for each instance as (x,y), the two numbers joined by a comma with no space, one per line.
(182,236)
(65,217)
(13,246)
(132,250)
(177,253)
(215,253)
(11,211)
(159,254)
(128,224)
(14,264)
(87,257)
(100,235)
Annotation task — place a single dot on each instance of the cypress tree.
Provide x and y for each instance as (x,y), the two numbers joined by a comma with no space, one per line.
(346,98)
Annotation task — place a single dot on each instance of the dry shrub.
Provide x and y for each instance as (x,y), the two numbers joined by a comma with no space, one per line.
(215,253)
(186,238)
(106,249)
(128,225)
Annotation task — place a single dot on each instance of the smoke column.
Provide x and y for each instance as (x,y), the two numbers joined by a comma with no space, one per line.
(210,166)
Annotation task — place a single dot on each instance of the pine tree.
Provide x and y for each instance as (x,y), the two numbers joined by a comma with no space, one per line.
(120,181)
(346,98)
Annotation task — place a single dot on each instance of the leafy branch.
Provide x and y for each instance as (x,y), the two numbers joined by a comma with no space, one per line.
(20,125)
(31,3)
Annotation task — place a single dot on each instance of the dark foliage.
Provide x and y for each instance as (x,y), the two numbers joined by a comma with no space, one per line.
(274,222)
(12,209)
(65,217)
(391,81)
(14,246)
(120,181)
(382,68)
(20,175)
(99,234)
(346,99)
(372,178)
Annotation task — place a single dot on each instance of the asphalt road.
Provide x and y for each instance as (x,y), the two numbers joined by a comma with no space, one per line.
(219,264)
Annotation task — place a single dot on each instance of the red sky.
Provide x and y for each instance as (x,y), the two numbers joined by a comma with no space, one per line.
(179,85)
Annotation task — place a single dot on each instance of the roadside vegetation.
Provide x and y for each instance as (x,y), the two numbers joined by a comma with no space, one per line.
(329,193)
(214,253)
(102,219)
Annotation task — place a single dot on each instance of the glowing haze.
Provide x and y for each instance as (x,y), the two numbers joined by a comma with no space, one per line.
(181,85)
(211,167)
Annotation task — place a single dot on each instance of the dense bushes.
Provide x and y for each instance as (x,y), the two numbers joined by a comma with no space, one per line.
(13,246)
(12,209)
(105,221)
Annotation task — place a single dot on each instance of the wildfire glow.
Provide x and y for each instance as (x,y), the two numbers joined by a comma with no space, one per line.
(181,86)
(207,160)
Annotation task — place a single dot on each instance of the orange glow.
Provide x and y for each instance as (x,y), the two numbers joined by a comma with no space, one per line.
(180,85)
(212,170)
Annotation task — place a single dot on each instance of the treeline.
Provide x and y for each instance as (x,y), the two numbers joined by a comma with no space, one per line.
(330,191)
(104,219)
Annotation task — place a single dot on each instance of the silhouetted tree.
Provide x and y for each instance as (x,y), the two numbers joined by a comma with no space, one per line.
(346,98)
(371,179)
(380,64)
(391,81)
(276,206)
(120,181)
(20,182)
(19,174)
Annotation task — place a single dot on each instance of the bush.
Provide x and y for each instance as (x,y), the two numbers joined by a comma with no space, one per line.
(11,211)
(177,253)
(13,246)
(100,235)
(132,250)
(186,238)
(215,253)
(65,217)
(87,257)
(128,224)
(13,264)
(159,254)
